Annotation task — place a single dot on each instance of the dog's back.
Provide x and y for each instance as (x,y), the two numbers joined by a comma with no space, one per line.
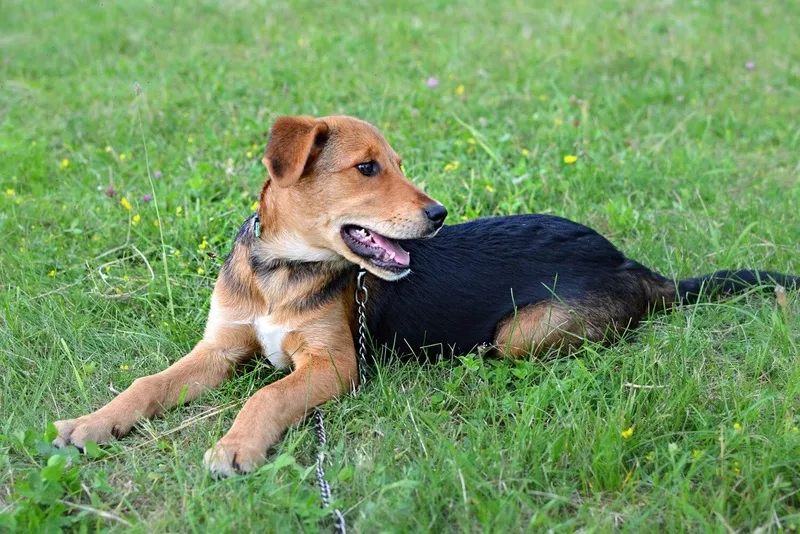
(474,277)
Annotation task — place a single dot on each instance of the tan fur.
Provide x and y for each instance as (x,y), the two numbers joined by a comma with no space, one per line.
(536,329)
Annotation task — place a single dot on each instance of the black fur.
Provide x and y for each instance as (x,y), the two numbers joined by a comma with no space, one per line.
(470,276)
(340,280)
(244,237)
(726,283)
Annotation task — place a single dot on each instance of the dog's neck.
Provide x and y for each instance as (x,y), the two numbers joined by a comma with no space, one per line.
(286,270)
(280,243)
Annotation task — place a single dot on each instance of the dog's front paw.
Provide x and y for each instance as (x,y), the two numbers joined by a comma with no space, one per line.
(232,455)
(92,427)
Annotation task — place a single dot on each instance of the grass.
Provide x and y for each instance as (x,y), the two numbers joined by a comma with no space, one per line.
(686,159)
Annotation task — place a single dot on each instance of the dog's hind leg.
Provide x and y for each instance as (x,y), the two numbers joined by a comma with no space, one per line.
(205,367)
(540,327)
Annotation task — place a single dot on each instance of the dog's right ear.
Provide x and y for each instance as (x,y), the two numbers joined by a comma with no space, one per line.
(293,144)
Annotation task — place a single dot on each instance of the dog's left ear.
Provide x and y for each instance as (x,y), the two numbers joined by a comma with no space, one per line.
(294,143)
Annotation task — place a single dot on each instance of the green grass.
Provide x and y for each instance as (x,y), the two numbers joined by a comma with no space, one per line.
(687,160)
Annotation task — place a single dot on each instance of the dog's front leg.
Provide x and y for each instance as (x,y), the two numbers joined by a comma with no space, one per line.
(320,375)
(206,366)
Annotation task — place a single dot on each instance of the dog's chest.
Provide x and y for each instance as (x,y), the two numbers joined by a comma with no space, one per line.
(270,337)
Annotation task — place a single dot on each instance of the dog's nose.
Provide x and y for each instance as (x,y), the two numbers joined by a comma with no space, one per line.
(436,213)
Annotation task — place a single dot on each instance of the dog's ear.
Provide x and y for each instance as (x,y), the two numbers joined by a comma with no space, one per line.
(294,142)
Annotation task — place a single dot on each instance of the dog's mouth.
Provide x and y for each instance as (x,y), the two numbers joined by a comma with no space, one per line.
(379,250)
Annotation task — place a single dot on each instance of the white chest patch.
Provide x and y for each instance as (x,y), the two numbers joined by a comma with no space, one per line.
(270,337)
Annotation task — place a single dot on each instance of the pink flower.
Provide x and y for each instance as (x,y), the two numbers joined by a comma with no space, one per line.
(157,174)
(110,192)
(433,82)
(750,65)
(147,197)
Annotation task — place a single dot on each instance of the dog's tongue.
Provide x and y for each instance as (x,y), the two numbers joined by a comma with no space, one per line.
(393,250)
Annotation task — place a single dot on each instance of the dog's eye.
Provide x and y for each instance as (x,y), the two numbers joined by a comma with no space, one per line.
(369,168)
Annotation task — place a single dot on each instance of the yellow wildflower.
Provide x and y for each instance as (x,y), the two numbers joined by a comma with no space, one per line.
(254,207)
(542,98)
(178,210)
(125,204)
(204,244)
(52,273)
(453,165)
(64,163)
(126,278)
(108,149)
(249,154)
(124,367)
(10,192)
(122,156)
(302,43)
(471,141)
(137,219)
(696,453)
(490,189)
(155,223)
(190,140)
(176,252)
(737,427)
(557,122)
(525,152)
(254,146)
(627,433)
(650,456)
(200,270)
(570,159)
(795,429)
(460,89)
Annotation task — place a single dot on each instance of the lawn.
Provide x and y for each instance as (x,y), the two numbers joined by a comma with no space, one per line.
(671,127)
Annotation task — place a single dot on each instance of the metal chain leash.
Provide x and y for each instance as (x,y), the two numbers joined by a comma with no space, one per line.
(339,525)
(361,300)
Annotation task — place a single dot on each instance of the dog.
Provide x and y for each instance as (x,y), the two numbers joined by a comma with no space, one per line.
(336,201)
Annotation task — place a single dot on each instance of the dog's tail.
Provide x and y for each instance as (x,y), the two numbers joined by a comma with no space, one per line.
(727,283)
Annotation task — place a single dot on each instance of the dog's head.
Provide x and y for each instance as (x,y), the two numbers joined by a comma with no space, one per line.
(339,192)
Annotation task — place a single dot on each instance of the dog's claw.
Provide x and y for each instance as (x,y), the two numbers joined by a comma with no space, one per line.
(226,459)
(78,431)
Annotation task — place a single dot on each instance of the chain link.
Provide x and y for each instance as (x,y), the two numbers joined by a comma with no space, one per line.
(339,525)
(361,301)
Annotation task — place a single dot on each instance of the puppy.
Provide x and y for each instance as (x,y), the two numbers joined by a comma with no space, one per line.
(336,201)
